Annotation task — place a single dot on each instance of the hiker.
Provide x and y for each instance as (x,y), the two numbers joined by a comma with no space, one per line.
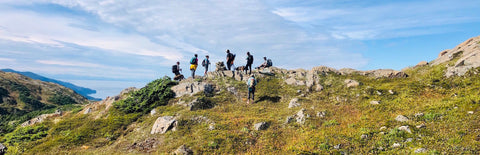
(176,70)
(230,59)
(249,63)
(251,83)
(193,65)
(266,63)
(206,63)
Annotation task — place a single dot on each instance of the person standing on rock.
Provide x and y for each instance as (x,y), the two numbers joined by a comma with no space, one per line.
(206,63)
(176,70)
(249,63)
(193,65)
(251,83)
(230,59)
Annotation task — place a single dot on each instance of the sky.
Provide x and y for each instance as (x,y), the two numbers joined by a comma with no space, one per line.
(109,45)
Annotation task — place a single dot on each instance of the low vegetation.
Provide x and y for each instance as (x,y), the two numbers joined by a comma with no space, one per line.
(350,124)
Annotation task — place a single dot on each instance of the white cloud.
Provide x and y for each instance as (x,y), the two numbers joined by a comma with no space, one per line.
(7,60)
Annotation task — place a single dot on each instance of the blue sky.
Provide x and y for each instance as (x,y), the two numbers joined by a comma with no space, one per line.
(109,45)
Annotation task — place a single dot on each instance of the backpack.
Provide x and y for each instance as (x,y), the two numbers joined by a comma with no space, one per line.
(233,57)
(174,69)
(269,63)
(205,62)
(193,61)
(251,82)
(250,59)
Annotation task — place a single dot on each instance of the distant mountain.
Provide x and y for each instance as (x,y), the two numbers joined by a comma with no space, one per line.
(80,90)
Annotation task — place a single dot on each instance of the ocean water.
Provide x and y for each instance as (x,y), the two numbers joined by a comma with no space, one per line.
(106,88)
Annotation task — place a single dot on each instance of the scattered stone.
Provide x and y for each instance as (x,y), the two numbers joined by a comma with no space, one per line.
(409,140)
(401,118)
(470,112)
(374,102)
(163,124)
(233,90)
(421,126)
(261,126)
(338,146)
(303,95)
(380,148)
(391,92)
(396,145)
(183,150)
(383,128)
(421,150)
(293,103)
(289,119)
(301,116)
(3,149)
(318,87)
(381,133)
(153,112)
(419,115)
(145,146)
(378,92)
(321,114)
(299,91)
(364,136)
(87,111)
(211,127)
(405,128)
(58,112)
(351,83)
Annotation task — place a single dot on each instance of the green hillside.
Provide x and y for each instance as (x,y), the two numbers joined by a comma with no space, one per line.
(342,120)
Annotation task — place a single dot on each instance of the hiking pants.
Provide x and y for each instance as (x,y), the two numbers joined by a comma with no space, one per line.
(252,92)
(247,68)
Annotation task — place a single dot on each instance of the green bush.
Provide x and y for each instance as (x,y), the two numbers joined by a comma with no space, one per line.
(60,99)
(156,93)
(26,134)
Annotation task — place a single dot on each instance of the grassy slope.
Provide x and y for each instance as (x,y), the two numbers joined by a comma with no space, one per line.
(444,102)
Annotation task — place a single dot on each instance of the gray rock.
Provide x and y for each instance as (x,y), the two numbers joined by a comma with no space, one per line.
(58,112)
(351,83)
(374,102)
(383,128)
(405,128)
(421,126)
(289,119)
(261,126)
(338,146)
(318,87)
(163,124)
(396,145)
(409,140)
(87,111)
(321,114)
(3,149)
(364,136)
(391,92)
(233,90)
(419,115)
(294,103)
(153,112)
(301,116)
(211,127)
(422,63)
(188,87)
(401,118)
(183,150)
(470,112)
(379,93)
(421,150)
(303,95)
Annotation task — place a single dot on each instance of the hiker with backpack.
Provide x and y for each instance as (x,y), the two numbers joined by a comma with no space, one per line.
(176,70)
(266,63)
(230,59)
(249,63)
(251,83)
(193,65)
(206,63)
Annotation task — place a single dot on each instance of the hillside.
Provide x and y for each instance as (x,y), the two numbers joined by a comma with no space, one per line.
(22,98)
(80,90)
(421,109)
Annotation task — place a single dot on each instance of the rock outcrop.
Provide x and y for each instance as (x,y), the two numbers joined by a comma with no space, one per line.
(40,119)
(3,149)
(188,87)
(467,56)
(163,124)
(183,150)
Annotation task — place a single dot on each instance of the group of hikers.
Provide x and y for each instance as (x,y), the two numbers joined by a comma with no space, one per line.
(251,82)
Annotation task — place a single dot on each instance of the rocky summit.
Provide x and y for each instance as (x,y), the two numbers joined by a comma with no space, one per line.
(430,108)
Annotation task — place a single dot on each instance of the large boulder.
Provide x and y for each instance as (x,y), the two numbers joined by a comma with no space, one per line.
(467,55)
(293,103)
(351,83)
(188,87)
(3,149)
(163,124)
(401,118)
(261,126)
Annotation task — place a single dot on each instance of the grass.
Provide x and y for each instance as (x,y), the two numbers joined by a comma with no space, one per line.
(444,102)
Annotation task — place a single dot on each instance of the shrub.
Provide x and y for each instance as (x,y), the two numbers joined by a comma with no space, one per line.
(26,134)
(60,99)
(156,93)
